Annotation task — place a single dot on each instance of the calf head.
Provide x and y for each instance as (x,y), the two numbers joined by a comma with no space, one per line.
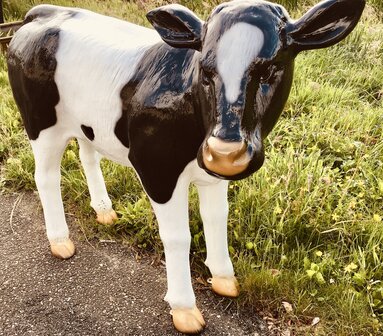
(246,51)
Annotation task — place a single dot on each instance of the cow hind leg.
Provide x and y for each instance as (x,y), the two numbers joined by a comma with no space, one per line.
(48,149)
(214,212)
(100,200)
(174,230)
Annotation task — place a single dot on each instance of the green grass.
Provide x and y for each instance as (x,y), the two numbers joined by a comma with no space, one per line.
(306,228)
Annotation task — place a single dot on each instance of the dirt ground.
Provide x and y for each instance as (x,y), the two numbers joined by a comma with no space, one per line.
(102,290)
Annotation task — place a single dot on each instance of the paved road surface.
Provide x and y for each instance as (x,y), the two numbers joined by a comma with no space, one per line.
(102,290)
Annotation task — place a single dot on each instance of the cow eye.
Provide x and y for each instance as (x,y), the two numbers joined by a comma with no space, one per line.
(268,74)
(205,79)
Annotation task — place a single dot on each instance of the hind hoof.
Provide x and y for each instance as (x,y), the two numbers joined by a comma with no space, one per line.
(225,286)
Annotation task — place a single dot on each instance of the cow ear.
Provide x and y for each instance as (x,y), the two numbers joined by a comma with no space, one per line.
(177,25)
(325,24)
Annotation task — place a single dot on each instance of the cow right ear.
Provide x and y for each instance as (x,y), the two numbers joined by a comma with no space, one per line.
(177,25)
(325,24)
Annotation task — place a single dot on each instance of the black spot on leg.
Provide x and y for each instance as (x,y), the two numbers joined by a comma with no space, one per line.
(88,131)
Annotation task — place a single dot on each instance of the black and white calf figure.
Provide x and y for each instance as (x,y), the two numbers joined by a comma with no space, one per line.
(193,107)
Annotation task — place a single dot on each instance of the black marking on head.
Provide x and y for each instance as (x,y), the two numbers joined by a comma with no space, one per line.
(258,89)
(268,17)
(31,69)
(158,122)
(88,131)
(265,85)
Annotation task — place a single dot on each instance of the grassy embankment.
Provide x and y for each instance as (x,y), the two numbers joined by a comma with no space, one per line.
(307,228)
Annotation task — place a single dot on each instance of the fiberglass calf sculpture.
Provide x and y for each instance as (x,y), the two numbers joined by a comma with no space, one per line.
(193,108)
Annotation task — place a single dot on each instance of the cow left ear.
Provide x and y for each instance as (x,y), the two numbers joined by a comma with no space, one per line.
(325,24)
(177,25)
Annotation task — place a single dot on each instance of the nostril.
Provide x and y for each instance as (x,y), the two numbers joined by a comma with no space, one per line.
(243,160)
(207,154)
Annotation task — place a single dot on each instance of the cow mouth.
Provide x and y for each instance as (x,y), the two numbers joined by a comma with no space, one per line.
(226,158)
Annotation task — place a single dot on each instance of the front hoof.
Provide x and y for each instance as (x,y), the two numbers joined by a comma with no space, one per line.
(188,321)
(107,217)
(225,286)
(62,249)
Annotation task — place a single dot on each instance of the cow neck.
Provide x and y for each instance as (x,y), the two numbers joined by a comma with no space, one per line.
(160,122)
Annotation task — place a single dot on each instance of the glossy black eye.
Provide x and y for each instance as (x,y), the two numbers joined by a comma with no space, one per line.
(268,74)
(205,79)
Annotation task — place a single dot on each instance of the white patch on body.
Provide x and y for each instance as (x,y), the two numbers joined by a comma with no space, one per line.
(237,49)
(97,56)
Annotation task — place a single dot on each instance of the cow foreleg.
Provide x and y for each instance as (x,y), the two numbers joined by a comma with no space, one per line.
(214,210)
(48,150)
(100,200)
(173,220)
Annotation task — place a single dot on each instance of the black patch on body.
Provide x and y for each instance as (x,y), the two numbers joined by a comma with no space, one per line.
(159,123)
(31,69)
(88,131)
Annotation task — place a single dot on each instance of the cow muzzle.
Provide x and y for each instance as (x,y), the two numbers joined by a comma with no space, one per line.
(225,158)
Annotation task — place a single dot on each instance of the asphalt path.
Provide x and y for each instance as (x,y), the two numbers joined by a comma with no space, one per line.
(103,290)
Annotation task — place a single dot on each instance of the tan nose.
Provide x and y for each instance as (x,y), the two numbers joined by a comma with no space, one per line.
(225,158)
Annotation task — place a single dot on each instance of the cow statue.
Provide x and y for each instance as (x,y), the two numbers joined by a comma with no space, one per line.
(188,102)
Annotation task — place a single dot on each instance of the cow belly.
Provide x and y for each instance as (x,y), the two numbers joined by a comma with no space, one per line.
(105,142)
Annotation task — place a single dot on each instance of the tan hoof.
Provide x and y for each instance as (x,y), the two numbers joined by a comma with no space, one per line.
(188,321)
(225,286)
(107,217)
(62,249)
